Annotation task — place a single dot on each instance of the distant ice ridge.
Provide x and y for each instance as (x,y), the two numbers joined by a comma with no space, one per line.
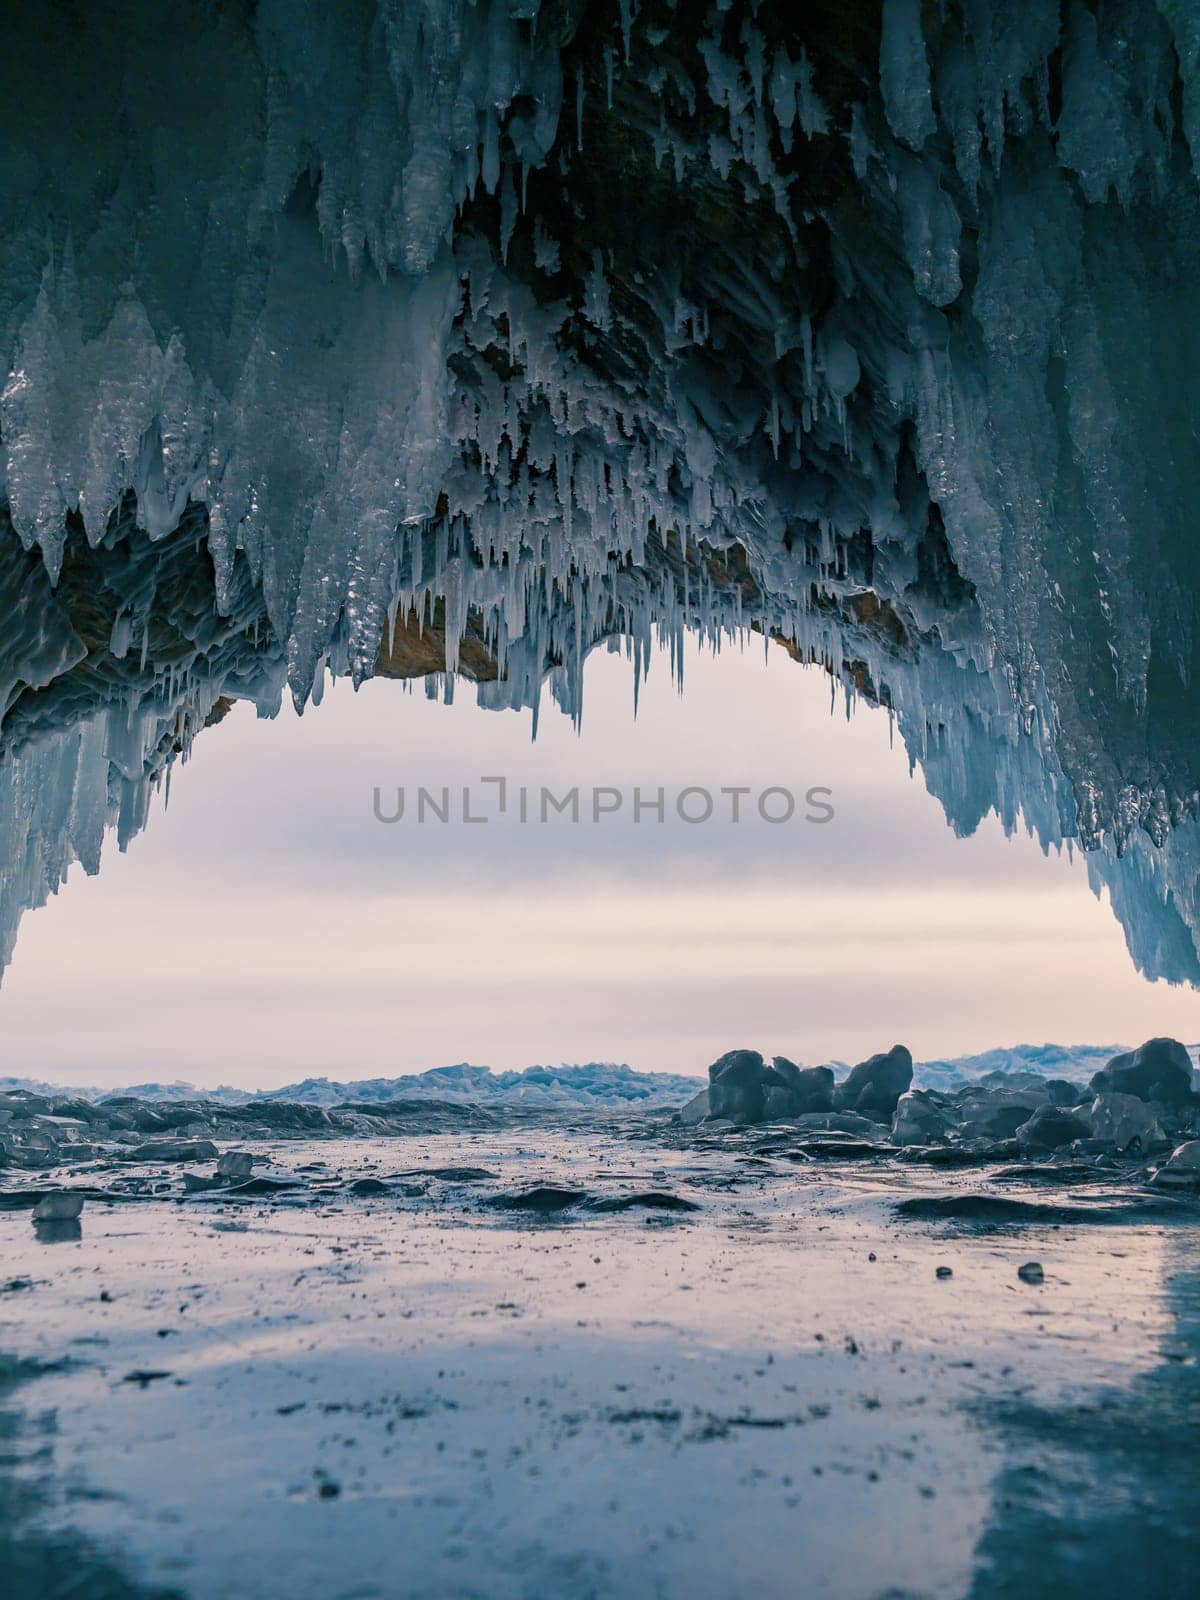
(445,338)
(593,1083)
(1075,1062)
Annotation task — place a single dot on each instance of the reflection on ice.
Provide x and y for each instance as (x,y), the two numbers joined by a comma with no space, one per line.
(58,1230)
(381,1386)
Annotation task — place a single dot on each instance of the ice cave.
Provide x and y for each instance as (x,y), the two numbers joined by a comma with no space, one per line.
(455,339)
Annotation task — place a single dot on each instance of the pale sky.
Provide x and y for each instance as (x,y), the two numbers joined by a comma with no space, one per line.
(267,928)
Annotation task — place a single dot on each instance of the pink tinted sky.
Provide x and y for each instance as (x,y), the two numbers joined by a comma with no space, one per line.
(267,927)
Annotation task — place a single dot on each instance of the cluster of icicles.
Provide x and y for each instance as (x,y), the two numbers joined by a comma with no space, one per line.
(385,414)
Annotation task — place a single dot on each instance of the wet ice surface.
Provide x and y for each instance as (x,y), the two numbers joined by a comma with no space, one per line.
(420,1393)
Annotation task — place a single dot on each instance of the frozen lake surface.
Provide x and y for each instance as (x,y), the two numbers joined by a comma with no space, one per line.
(421,1393)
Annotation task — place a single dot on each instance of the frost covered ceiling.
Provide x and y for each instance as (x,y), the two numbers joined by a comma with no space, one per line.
(429,336)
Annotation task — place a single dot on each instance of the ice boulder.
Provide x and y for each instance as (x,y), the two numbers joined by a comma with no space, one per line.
(1049,1128)
(1157,1070)
(736,1084)
(59,1207)
(743,1089)
(696,1109)
(993,1116)
(1124,1120)
(875,1085)
(919,1119)
(1182,1169)
(808,1088)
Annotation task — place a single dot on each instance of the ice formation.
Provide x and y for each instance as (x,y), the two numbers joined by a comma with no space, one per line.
(455,337)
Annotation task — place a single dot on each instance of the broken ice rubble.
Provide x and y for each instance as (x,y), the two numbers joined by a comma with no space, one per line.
(61,1154)
(1137,1106)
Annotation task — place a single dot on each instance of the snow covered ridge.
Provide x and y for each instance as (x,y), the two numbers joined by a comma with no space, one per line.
(1075,1062)
(446,339)
(597,1083)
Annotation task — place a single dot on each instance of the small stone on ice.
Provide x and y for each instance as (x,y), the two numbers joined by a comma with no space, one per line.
(1186,1158)
(1182,1169)
(368,1186)
(1031,1272)
(945,1272)
(58,1208)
